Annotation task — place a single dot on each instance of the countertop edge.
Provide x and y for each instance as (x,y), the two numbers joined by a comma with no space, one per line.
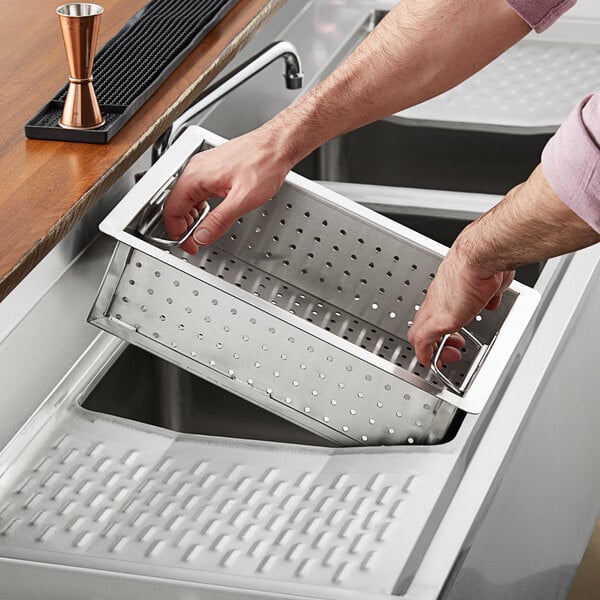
(42,247)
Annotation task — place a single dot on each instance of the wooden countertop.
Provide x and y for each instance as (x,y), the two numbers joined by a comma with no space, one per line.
(47,186)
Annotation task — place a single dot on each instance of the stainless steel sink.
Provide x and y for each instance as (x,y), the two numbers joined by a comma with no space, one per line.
(390,152)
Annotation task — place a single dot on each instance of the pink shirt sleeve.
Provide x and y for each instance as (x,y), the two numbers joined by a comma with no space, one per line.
(571,161)
(540,14)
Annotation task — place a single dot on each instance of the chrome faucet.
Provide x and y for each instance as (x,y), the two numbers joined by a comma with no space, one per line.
(293,81)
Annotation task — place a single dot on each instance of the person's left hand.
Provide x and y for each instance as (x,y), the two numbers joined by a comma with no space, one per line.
(457,294)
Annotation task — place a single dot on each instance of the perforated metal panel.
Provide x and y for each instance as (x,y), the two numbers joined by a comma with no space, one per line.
(332,392)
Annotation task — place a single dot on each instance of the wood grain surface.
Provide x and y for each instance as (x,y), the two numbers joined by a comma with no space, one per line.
(47,186)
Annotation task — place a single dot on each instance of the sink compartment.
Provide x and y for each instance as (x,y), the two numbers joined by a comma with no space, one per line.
(390,152)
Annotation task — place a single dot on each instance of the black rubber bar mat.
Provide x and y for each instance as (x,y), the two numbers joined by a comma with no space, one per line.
(133,64)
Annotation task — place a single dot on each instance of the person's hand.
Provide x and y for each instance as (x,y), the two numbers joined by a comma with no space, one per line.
(246,172)
(530,224)
(458,293)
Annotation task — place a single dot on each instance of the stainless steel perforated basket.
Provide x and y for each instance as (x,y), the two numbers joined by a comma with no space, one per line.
(303,308)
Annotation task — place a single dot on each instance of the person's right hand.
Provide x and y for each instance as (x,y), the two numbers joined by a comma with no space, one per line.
(246,172)
(459,292)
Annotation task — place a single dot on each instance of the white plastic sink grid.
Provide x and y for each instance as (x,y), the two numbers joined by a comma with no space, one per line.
(105,493)
(535,84)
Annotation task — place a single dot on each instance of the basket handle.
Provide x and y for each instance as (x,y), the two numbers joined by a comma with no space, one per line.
(481,354)
(153,212)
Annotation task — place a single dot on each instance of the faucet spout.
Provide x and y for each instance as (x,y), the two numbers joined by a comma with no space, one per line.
(293,80)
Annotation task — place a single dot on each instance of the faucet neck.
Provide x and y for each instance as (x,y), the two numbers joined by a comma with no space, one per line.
(293,78)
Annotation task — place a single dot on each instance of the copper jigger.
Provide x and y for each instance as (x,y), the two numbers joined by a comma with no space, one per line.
(80,25)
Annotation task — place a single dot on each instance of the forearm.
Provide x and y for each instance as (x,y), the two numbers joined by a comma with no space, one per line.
(421,49)
(530,224)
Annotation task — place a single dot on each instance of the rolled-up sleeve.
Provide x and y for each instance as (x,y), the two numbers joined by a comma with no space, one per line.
(540,14)
(571,161)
